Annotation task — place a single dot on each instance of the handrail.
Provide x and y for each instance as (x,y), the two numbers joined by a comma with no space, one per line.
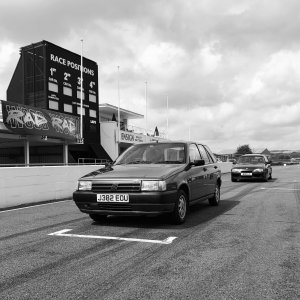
(96,161)
(23,165)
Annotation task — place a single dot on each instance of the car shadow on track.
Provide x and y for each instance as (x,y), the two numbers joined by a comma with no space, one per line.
(198,214)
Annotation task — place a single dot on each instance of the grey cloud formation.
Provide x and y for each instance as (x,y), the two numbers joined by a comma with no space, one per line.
(229,68)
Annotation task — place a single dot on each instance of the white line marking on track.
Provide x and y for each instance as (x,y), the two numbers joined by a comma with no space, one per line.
(166,241)
(283,189)
(32,206)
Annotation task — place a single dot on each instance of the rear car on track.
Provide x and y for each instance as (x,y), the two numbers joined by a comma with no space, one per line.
(151,179)
(252,166)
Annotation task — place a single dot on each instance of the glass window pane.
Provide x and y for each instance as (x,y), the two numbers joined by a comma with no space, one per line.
(204,154)
(194,153)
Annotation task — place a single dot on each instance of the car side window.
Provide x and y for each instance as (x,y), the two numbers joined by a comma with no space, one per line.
(193,153)
(210,154)
(204,154)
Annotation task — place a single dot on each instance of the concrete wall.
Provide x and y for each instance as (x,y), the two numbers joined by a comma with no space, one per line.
(225,167)
(35,184)
(108,133)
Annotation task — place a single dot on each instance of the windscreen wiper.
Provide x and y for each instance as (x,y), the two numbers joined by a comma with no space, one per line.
(169,162)
(140,162)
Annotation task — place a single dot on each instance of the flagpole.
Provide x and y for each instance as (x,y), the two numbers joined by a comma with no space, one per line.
(81,91)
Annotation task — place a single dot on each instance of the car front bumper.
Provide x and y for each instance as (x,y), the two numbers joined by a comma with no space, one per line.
(142,203)
(254,175)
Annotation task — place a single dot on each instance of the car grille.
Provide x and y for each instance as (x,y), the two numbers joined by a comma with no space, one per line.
(115,207)
(106,206)
(115,188)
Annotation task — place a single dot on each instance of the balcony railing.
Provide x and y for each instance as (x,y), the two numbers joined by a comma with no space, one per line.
(140,130)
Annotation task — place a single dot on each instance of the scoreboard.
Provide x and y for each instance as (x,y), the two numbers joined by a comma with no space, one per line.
(63,87)
(49,77)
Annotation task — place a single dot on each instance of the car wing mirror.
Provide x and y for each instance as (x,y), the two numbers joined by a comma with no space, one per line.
(199,162)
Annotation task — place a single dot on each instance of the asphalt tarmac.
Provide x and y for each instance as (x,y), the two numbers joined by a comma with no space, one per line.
(246,248)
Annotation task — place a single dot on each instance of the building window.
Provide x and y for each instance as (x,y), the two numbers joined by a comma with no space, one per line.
(78,110)
(67,91)
(92,98)
(53,105)
(93,113)
(53,87)
(79,95)
(68,108)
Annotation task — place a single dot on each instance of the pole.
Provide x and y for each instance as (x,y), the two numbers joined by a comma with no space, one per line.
(81,91)
(146,107)
(189,122)
(167,117)
(119,108)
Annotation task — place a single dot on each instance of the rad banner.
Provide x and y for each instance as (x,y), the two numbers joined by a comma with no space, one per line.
(28,120)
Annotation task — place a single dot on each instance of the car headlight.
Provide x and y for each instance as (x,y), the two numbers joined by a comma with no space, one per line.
(236,171)
(153,185)
(84,185)
(258,170)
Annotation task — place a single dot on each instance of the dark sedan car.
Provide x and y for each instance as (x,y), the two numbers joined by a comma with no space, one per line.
(150,179)
(252,166)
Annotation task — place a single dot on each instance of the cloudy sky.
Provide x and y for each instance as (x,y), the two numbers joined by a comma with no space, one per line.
(230,68)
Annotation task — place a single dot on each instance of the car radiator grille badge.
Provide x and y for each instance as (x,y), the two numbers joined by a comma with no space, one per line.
(114,187)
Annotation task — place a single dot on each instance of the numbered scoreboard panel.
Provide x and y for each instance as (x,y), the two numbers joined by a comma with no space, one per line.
(63,86)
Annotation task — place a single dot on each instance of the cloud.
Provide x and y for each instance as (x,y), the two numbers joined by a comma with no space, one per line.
(8,54)
(230,69)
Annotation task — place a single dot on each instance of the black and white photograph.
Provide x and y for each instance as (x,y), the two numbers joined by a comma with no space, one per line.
(150,149)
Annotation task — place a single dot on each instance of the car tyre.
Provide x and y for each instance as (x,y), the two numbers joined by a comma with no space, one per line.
(233,179)
(180,210)
(215,200)
(98,218)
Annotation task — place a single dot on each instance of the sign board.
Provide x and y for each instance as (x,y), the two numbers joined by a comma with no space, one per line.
(63,88)
(28,120)
(131,138)
(63,73)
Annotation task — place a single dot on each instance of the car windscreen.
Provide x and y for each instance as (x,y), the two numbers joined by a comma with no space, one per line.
(253,160)
(158,153)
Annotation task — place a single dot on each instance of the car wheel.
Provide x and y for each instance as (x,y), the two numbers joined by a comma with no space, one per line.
(215,200)
(233,179)
(180,210)
(98,218)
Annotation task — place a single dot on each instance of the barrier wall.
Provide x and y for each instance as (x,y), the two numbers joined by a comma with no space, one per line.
(35,184)
(225,167)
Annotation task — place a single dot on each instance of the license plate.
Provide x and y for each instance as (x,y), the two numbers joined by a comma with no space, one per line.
(113,198)
(246,174)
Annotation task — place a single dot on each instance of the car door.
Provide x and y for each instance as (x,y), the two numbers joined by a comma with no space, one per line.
(195,175)
(211,168)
